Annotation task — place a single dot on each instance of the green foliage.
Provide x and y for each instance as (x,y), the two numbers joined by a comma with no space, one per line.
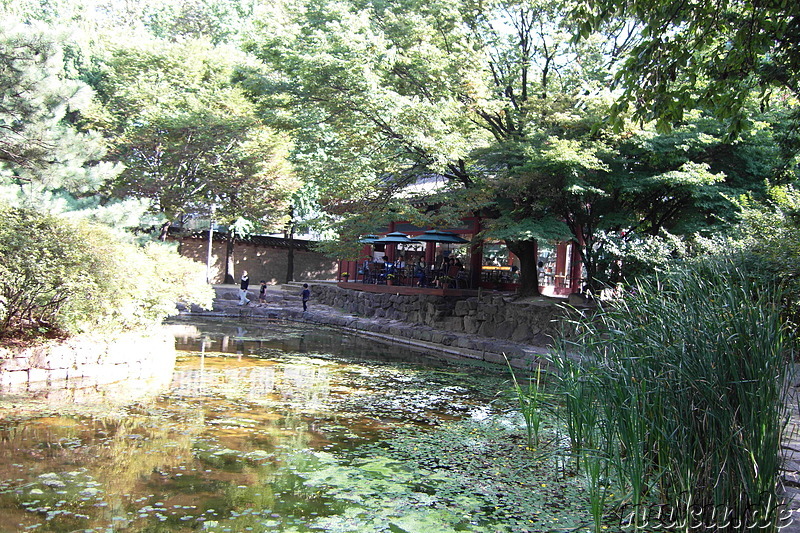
(532,401)
(490,98)
(426,481)
(687,382)
(186,134)
(77,277)
(769,236)
(627,260)
(41,145)
(702,55)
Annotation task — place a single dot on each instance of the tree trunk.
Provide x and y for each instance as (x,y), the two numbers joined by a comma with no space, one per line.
(164,231)
(229,266)
(290,256)
(528,254)
(289,234)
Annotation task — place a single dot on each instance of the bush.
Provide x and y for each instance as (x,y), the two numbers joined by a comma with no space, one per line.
(685,384)
(74,277)
(768,241)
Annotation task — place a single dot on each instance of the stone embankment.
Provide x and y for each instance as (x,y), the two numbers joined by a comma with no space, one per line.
(486,327)
(487,314)
(76,370)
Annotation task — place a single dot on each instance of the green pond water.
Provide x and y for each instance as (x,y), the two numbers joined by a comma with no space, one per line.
(276,427)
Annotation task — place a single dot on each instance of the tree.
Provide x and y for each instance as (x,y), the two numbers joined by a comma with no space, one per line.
(416,88)
(186,164)
(769,237)
(40,143)
(704,55)
(188,137)
(500,101)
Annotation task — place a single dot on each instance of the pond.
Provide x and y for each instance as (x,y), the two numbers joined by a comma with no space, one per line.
(278,427)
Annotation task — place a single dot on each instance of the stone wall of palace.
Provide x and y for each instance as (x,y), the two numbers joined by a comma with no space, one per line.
(261,261)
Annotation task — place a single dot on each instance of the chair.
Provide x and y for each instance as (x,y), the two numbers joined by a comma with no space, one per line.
(379,273)
(463,279)
(407,275)
(453,273)
(363,272)
(372,273)
(420,275)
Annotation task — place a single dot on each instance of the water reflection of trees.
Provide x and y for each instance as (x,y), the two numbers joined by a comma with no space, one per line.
(232,435)
(115,453)
(306,386)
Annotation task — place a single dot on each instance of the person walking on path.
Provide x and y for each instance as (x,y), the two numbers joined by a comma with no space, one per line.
(262,293)
(245,283)
(306,294)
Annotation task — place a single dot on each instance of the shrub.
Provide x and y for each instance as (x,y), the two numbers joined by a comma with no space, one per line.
(60,275)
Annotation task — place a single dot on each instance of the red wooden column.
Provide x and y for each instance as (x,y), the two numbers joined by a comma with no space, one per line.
(577,269)
(391,249)
(430,253)
(561,265)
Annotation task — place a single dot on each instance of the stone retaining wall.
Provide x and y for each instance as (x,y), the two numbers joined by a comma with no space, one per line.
(85,362)
(490,315)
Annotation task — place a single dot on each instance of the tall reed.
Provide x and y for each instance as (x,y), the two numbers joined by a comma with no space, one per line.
(532,401)
(689,389)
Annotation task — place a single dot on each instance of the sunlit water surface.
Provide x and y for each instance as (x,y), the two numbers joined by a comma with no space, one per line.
(261,430)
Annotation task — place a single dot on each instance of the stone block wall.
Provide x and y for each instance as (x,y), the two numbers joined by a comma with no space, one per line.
(491,315)
(62,368)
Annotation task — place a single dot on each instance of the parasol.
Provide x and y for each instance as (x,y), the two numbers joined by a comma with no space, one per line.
(446,237)
(368,239)
(395,238)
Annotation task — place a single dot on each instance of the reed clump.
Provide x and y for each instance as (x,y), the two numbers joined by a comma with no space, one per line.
(677,391)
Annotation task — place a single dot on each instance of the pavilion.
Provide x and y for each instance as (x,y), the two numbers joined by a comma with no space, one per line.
(487,265)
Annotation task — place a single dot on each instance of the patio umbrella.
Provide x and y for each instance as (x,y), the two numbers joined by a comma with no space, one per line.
(395,238)
(433,235)
(444,237)
(368,239)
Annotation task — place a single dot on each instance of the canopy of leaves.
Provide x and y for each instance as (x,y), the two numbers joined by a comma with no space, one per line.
(501,100)
(187,136)
(216,21)
(703,55)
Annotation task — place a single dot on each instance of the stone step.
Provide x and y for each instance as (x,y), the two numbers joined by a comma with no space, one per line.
(297,286)
(274,293)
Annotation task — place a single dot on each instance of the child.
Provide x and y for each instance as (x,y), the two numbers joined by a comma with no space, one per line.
(306,296)
(262,293)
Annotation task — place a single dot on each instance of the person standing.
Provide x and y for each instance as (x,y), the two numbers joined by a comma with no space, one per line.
(419,272)
(306,294)
(243,285)
(262,293)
